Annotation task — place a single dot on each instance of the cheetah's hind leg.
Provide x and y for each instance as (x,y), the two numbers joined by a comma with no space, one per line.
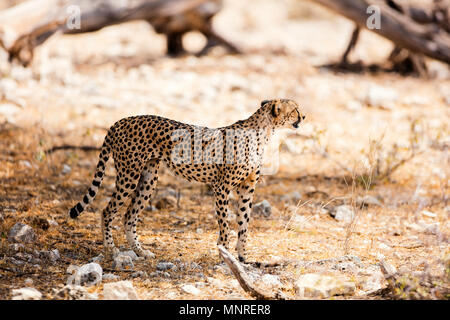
(139,200)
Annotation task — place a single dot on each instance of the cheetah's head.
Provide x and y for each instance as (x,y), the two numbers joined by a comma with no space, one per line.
(284,113)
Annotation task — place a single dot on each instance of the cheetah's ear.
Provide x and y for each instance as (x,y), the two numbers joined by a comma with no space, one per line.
(275,110)
(264,102)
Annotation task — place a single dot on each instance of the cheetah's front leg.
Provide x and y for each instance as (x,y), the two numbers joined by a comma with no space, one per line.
(245,192)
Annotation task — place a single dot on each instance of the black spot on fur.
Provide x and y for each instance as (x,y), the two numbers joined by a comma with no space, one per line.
(73,213)
(79,208)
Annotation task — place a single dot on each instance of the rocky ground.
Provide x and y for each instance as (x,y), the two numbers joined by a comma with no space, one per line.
(363,181)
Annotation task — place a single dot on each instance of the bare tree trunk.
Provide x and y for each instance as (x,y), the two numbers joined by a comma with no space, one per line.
(426,39)
(29,24)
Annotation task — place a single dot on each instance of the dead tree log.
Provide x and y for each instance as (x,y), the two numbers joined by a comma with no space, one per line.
(431,39)
(29,24)
(244,280)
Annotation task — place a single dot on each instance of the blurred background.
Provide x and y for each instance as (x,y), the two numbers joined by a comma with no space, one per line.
(374,147)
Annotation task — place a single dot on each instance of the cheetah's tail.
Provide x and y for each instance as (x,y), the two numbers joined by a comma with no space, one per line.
(98,177)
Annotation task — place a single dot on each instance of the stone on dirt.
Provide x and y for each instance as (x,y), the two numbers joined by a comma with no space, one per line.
(66,169)
(51,255)
(188,288)
(26,294)
(163,266)
(74,292)
(343,213)
(131,254)
(98,259)
(381,97)
(21,232)
(346,266)
(110,277)
(139,274)
(123,262)
(321,286)
(121,290)
(262,208)
(374,282)
(89,274)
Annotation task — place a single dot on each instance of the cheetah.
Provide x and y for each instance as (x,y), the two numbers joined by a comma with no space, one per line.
(227,158)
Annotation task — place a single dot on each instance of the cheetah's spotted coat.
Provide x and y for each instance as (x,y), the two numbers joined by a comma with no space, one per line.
(138,145)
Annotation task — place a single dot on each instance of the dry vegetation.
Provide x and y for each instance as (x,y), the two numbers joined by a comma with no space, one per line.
(381,135)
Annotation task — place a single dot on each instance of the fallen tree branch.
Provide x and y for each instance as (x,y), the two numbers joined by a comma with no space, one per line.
(403,30)
(72,147)
(29,24)
(243,278)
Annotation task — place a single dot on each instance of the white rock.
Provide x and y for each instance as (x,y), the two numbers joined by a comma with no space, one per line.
(26,294)
(123,262)
(387,268)
(21,233)
(71,269)
(16,246)
(374,282)
(171,295)
(270,281)
(131,254)
(320,286)
(89,274)
(74,292)
(98,259)
(383,246)
(110,276)
(347,266)
(222,268)
(215,282)
(432,228)
(417,100)
(379,256)
(9,110)
(52,255)
(163,266)
(428,214)
(354,105)
(52,222)
(344,213)
(139,274)
(26,163)
(262,208)
(381,97)
(301,221)
(66,169)
(190,289)
(234,283)
(421,226)
(121,290)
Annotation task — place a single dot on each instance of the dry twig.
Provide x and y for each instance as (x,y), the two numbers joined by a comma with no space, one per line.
(71,147)
(243,278)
